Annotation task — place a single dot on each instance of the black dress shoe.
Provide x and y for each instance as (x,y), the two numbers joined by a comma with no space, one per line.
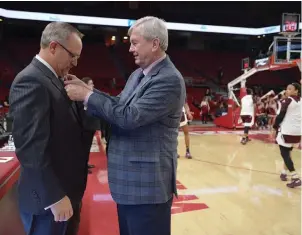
(4,139)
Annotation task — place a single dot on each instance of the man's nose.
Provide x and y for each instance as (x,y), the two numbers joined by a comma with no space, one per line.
(131,49)
(74,63)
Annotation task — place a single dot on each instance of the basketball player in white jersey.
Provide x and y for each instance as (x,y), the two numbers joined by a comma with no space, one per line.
(247,114)
(186,114)
(288,129)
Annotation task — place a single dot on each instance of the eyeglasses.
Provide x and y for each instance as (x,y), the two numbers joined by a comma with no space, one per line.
(72,55)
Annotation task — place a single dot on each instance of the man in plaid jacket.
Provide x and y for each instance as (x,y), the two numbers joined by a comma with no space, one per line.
(144,118)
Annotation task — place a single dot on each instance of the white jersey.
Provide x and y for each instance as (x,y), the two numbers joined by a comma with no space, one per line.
(291,124)
(247,105)
(185,121)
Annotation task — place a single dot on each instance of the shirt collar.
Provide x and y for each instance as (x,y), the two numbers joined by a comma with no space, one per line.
(47,65)
(148,69)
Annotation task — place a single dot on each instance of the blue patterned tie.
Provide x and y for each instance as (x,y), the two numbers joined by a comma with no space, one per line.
(138,80)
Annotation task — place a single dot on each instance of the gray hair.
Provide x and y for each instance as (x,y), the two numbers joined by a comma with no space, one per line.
(86,79)
(58,31)
(152,27)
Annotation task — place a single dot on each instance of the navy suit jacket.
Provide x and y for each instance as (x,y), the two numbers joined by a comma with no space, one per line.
(48,135)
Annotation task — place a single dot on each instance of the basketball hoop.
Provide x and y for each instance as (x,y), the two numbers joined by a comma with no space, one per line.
(287,48)
(289,34)
(284,53)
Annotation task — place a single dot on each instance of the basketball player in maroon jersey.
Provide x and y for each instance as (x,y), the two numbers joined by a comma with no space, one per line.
(287,128)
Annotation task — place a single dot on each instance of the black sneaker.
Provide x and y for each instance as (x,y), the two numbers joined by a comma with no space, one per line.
(283,177)
(294,183)
(244,141)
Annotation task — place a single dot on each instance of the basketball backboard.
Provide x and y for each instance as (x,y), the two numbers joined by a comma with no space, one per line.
(286,49)
(245,64)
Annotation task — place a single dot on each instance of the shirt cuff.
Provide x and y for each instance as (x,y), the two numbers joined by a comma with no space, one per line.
(46,208)
(87,98)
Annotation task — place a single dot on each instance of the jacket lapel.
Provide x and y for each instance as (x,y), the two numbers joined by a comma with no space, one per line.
(58,84)
(154,71)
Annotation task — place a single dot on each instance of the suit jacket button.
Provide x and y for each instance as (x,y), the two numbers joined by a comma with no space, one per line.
(35,194)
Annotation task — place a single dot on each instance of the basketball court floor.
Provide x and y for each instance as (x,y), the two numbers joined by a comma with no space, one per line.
(226,189)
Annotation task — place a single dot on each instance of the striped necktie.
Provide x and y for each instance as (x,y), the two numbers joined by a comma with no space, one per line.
(137,81)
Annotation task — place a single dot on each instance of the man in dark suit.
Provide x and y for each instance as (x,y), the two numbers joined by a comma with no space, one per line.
(48,135)
(91,124)
(142,155)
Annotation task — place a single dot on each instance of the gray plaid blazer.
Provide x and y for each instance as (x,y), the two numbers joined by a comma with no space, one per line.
(142,155)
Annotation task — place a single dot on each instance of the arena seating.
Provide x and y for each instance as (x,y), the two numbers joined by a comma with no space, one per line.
(97,62)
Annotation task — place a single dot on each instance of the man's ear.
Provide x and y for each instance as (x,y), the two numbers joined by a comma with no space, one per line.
(52,47)
(155,44)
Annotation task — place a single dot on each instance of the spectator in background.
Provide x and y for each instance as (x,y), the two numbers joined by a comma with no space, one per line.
(5,107)
(224,108)
(221,110)
(95,124)
(220,75)
(271,111)
(5,104)
(91,124)
(88,81)
(208,93)
(205,109)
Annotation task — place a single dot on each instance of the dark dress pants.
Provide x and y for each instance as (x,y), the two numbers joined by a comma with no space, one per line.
(151,219)
(44,224)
